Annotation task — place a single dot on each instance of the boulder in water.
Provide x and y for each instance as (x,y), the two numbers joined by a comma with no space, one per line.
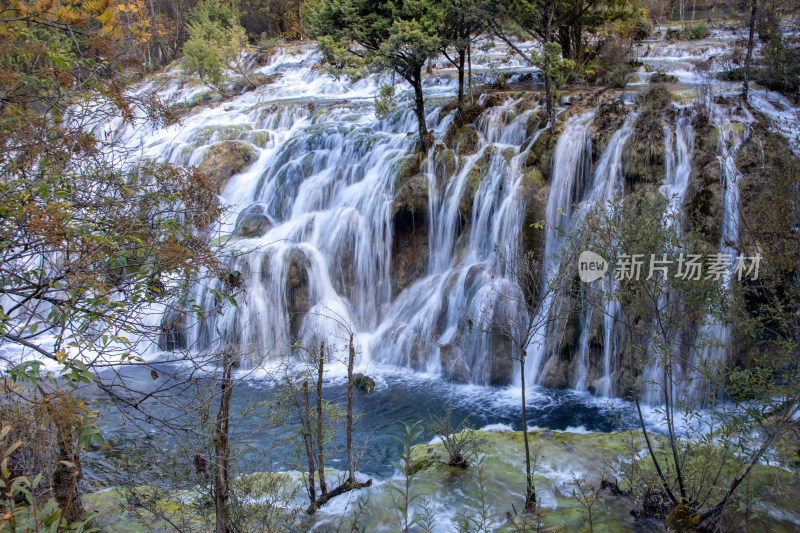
(173,330)
(225,159)
(364,383)
(253,221)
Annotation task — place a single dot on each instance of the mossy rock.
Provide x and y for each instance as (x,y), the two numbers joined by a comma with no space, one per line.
(407,169)
(225,159)
(540,154)
(661,77)
(365,383)
(253,221)
(654,100)
(463,140)
(214,134)
(609,118)
(643,154)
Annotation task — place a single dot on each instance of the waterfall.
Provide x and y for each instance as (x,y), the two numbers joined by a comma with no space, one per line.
(571,163)
(714,333)
(678,152)
(425,324)
(312,219)
(607,185)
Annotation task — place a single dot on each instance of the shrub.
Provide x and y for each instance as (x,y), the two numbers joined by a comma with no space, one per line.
(640,26)
(693,32)
(459,442)
(619,76)
(780,70)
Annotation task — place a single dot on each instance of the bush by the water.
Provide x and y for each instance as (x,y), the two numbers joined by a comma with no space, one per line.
(693,32)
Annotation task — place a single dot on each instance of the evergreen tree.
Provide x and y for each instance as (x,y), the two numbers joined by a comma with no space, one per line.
(396,35)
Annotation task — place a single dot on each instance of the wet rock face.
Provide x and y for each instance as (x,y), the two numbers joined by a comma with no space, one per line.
(608,120)
(454,367)
(770,178)
(534,192)
(299,299)
(173,330)
(225,159)
(501,362)
(703,203)
(410,224)
(540,155)
(643,154)
(253,221)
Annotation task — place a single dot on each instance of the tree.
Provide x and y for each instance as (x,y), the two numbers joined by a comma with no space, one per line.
(216,44)
(92,241)
(744,411)
(535,19)
(750,41)
(574,18)
(317,423)
(518,315)
(463,20)
(397,35)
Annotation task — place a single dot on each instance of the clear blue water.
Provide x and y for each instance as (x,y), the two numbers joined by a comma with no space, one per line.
(402,396)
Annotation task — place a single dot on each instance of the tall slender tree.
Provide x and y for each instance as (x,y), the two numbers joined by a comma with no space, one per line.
(462,22)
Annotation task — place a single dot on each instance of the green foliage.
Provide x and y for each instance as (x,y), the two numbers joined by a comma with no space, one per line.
(216,41)
(640,25)
(694,32)
(553,65)
(780,68)
(460,442)
(697,473)
(619,76)
(22,509)
(409,467)
(398,35)
(385,101)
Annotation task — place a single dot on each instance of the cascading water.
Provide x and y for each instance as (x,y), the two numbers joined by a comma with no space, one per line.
(461,287)
(678,152)
(714,333)
(571,163)
(607,185)
(321,192)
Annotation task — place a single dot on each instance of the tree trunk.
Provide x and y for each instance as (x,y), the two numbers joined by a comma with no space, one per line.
(469,59)
(746,85)
(308,441)
(460,113)
(577,42)
(222,448)
(350,483)
(351,465)
(564,39)
(66,478)
(320,429)
(548,96)
(530,491)
(419,107)
(548,83)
